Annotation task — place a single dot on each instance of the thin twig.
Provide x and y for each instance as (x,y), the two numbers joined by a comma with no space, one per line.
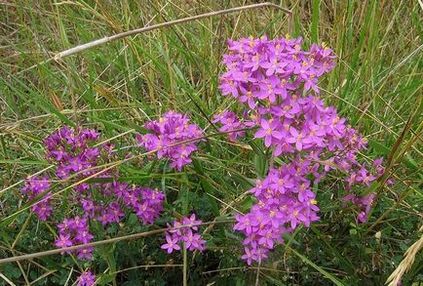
(108,39)
(100,242)
(146,266)
(258,273)
(7,279)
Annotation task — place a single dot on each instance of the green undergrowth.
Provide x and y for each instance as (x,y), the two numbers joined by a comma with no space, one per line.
(118,86)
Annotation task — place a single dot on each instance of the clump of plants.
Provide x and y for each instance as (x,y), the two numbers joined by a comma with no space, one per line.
(276,83)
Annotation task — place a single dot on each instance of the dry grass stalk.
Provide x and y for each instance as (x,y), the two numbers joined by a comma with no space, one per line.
(406,263)
(104,40)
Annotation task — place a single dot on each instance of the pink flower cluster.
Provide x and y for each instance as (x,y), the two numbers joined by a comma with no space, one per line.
(75,231)
(72,151)
(360,175)
(364,203)
(229,121)
(107,207)
(184,231)
(76,154)
(168,136)
(271,70)
(364,176)
(276,80)
(35,187)
(87,278)
(147,203)
(284,201)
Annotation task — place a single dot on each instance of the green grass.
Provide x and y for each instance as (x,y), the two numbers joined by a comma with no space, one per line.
(117,87)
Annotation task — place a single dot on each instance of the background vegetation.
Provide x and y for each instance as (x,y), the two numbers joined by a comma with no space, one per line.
(377,85)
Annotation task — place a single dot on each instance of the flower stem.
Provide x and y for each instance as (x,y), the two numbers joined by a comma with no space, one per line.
(185,279)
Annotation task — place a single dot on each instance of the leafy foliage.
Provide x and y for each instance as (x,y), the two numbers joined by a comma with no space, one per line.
(117,87)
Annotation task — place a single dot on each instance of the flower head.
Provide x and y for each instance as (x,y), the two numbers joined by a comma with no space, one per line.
(87,278)
(184,231)
(276,81)
(172,137)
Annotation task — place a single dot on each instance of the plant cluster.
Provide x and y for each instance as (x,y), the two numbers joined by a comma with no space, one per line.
(276,82)
(77,155)
(184,231)
(172,137)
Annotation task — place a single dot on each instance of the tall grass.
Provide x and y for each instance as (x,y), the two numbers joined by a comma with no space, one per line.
(118,86)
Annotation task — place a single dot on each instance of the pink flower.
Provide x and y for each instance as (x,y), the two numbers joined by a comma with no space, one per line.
(86,279)
(35,187)
(249,255)
(184,231)
(167,135)
(171,245)
(269,131)
(63,241)
(296,138)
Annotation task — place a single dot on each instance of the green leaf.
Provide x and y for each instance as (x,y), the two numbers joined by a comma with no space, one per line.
(378,147)
(11,271)
(318,268)
(105,279)
(261,164)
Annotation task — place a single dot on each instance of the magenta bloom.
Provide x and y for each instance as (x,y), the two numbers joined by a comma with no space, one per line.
(72,151)
(276,82)
(296,138)
(172,137)
(73,232)
(76,153)
(85,253)
(364,205)
(284,203)
(147,203)
(63,241)
(87,278)
(269,131)
(250,255)
(172,244)
(230,122)
(187,235)
(35,187)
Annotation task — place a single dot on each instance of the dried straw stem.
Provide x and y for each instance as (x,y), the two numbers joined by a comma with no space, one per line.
(406,263)
(108,39)
(105,40)
(100,242)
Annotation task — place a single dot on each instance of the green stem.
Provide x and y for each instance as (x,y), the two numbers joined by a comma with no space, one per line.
(185,278)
